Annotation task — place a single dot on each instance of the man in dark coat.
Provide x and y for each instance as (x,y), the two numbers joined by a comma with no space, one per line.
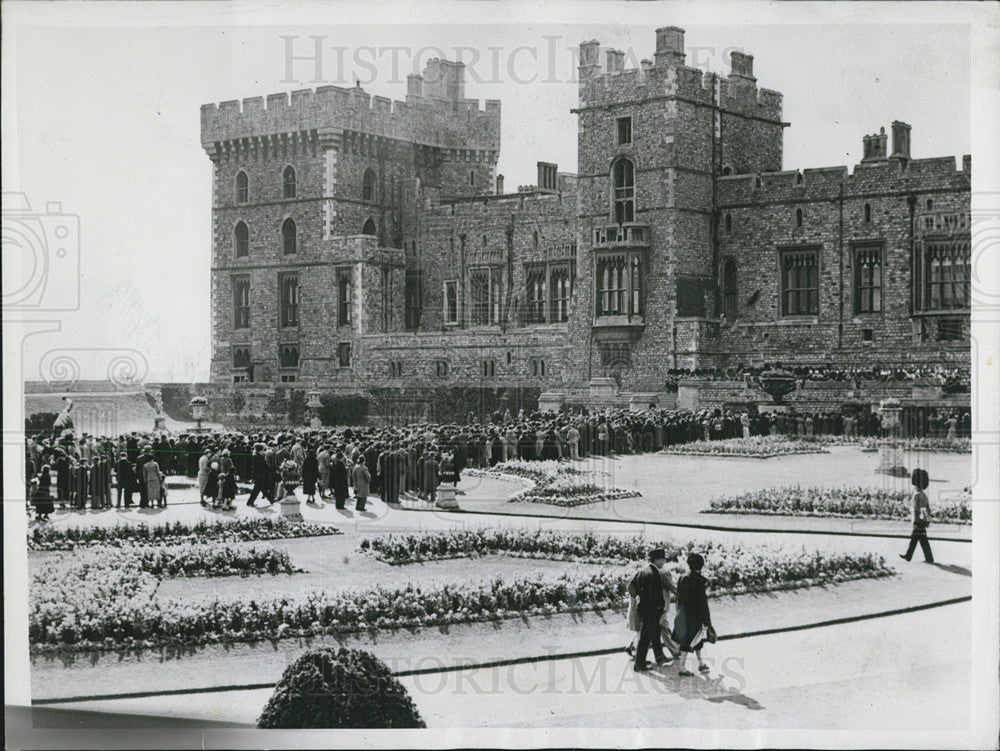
(125,480)
(647,587)
(261,474)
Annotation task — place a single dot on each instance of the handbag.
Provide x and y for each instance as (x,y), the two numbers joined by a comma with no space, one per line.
(711,637)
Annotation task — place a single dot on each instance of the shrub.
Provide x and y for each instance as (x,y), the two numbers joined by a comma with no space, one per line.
(339,688)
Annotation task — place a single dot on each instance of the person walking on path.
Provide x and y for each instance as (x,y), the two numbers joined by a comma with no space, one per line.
(261,476)
(646,592)
(921,517)
(693,622)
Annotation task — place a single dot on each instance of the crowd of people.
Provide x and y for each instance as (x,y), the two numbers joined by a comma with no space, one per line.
(952,379)
(101,472)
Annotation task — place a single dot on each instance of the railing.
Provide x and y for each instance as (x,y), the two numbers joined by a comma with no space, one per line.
(621,234)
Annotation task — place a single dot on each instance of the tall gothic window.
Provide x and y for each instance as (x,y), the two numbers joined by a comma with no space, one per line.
(485,291)
(411,293)
(535,293)
(288,236)
(451,301)
(343,297)
(369,228)
(611,281)
(560,291)
(242,187)
(624,180)
(241,302)
(288,182)
(288,288)
(729,288)
(948,272)
(241,240)
(799,282)
(868,279)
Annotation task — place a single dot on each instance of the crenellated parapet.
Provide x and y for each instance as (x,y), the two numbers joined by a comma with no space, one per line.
(825,183)
(667,76)
(435,116)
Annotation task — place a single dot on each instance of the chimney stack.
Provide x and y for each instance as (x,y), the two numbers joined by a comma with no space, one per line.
(414,85)
(547,176)
(900,140)
(616,61)
(741,65)
(590,65)
(669,46)
(499,185)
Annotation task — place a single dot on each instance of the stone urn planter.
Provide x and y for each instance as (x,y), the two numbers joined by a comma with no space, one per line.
(890,454)
(289,502)
(777,384)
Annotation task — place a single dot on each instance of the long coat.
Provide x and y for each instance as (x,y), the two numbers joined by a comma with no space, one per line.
(151,477)
(692,610)
(310,472)
(338,478)
(362,478)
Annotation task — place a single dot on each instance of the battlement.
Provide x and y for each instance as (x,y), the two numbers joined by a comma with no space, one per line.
(667,75)
(434,113)
(939,173)
(533,201)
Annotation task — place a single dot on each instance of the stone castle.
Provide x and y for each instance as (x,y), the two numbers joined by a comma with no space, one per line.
(361,241)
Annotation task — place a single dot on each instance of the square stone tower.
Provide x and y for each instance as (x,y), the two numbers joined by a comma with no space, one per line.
(652,140)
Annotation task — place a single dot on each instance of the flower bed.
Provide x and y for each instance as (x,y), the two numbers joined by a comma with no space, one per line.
(847,502)
(871,443)
(107,607)
(172,533)
(72,597)
(402,549)
(755,447)
(555,483)
(732,566)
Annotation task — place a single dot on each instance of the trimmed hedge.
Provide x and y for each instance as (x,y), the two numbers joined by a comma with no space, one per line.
(339,688)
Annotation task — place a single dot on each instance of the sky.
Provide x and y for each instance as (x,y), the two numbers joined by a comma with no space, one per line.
(107,125)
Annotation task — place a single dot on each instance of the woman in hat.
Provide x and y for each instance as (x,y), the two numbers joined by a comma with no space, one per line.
(693,622)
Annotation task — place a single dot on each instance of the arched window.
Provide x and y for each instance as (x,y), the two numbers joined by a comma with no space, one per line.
(241,240)
(242,187)
(868,212)
(541,367)
(368,186)
(727,170)
(930,204)
(798,217)
(484,241)
(369,228)
(799,178)
(288,182)
(534,239)
(758,182)
(729,288)
(624,179)
(729,222)
(288,236)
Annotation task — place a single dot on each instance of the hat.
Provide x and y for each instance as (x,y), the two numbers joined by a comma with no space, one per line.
(656,553)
